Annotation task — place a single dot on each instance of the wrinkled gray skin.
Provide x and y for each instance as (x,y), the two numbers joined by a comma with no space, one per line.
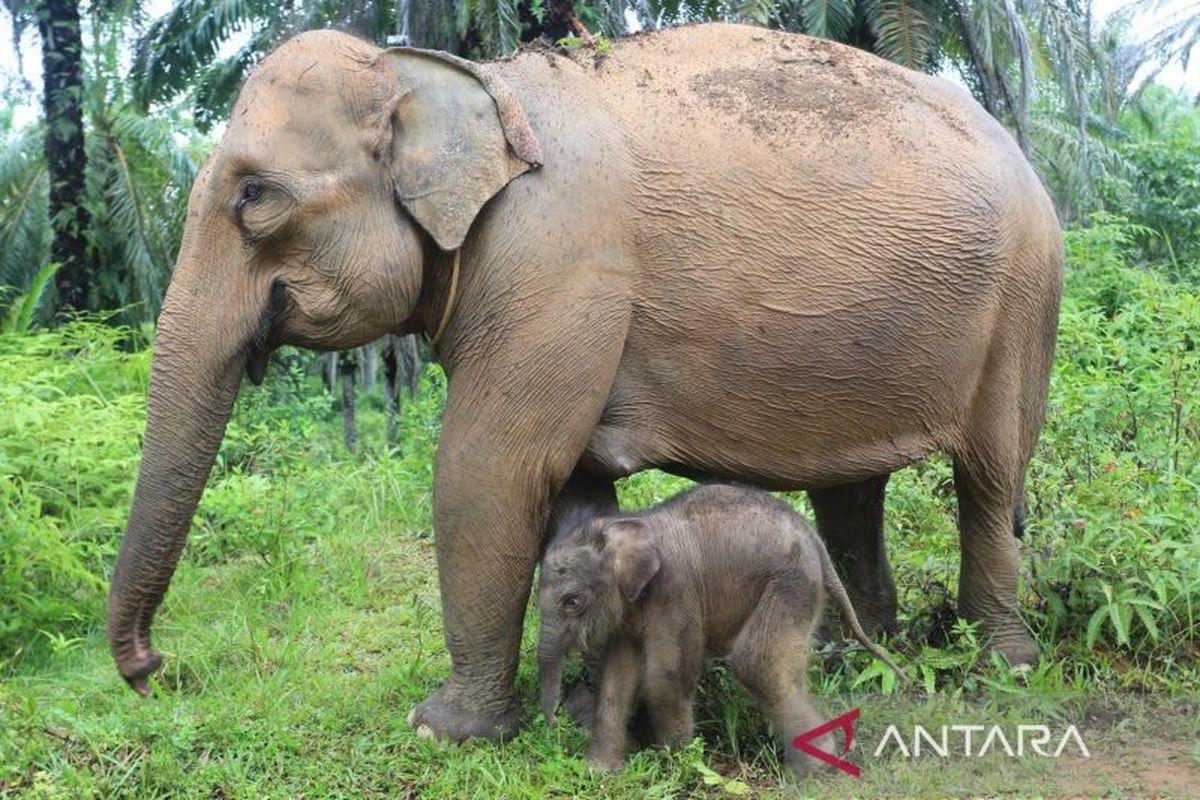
(721,251)
(719,571)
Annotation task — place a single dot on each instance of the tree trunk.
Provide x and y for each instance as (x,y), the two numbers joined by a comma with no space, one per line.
(983,73)
(348,366)
(62,103)
(390,372)
(430,24)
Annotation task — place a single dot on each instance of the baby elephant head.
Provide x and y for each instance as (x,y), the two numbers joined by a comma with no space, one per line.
(591,574)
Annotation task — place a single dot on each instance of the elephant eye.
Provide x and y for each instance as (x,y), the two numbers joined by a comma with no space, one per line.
(251,192)
(572,604)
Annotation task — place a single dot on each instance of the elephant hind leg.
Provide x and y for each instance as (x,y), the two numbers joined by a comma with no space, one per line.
(769,658)
(850,520)
(988,476)
(584,495)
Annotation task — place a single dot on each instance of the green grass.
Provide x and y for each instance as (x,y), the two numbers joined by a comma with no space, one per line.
(304,620)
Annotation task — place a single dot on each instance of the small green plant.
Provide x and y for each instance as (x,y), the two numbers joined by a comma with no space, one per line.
(600,42)
(22,310)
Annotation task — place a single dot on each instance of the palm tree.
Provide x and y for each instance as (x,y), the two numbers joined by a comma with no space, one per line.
(178,53)
(63,145)
(1176,35)
(134,184)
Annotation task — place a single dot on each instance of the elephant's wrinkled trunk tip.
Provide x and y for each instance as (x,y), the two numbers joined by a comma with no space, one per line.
(130,645)
(550,701)
(549,682)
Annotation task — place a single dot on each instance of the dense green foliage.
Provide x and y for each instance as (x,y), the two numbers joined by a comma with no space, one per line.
(309,571)
(1161,189)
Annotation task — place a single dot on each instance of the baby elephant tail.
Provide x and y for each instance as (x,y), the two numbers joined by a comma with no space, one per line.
(834,587)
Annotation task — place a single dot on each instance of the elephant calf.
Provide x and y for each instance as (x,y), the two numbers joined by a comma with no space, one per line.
(721,570)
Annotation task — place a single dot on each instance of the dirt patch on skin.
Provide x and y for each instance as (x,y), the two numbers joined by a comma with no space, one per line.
(814,88)
(771,101)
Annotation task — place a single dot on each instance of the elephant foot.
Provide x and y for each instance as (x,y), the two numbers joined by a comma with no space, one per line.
(876,617)
(449,714)
(1005,634)
(801,765)
(603,758)
(1018,648)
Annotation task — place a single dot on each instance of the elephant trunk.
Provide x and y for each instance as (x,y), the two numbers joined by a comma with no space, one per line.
(194,380)
(551,654)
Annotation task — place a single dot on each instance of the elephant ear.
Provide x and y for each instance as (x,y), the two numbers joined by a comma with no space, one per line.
(635,559)
(458,136)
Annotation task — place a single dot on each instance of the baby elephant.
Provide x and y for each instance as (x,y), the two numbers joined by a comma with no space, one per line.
(718,570)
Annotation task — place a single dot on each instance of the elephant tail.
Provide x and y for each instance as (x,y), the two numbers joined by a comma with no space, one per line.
(835,589)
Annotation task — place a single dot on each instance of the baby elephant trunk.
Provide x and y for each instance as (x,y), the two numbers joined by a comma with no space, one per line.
(551,654)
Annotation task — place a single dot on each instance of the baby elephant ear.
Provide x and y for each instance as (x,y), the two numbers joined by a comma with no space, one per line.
(458,136)
(635,558)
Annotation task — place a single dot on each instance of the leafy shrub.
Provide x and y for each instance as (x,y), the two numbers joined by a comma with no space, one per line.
(71,411)
(1164,199)
(1116,481)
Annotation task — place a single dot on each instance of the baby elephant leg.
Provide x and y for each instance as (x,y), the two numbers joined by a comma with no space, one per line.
(672,667)
(614,702)
(769,658)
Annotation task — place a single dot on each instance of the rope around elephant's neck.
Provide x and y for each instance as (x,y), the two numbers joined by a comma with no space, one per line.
(450,298)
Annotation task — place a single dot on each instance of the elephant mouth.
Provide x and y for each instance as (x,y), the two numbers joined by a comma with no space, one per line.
(264,341)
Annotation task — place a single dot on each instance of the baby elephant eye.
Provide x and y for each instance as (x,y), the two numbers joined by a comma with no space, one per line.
(572,604)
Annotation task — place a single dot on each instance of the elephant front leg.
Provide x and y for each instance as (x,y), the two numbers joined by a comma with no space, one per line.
(486,550)
(619,676)
(502,459)
(489,516)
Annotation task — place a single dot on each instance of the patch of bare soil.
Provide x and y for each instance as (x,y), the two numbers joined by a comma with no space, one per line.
(1164,770)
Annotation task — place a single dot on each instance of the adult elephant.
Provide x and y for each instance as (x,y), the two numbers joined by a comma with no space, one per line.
(720,251)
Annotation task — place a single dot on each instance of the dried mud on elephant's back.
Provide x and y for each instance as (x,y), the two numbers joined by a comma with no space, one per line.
(771,101)
(778,86)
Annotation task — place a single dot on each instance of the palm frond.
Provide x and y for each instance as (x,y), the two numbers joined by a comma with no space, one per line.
(499,25)
(1023,99)
(1072,171)
(905,31)
(22,312)
(25,230)
(216,88)
(829,19)
(179,44)
(157,143)
(140,182)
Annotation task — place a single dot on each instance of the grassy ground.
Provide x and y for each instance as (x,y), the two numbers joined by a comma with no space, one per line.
(291,676)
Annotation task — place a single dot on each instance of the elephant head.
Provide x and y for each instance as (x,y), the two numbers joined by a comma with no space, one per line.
(317,221)
(591,577)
